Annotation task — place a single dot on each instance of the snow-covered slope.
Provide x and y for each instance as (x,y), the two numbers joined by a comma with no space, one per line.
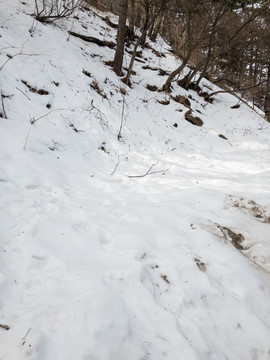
(97,264)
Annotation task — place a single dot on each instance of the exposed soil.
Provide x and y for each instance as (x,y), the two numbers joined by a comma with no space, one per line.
(236,239)
(35,90)
(200,264)
(254,209)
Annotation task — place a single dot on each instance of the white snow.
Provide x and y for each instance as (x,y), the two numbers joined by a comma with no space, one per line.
(97,265)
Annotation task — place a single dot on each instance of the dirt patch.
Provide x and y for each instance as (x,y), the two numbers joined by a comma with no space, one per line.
(236,239)
(194,120)
(151,87)
(162,72)
(200,264)
(165,278)
(147,67)
(86,73)
(254,209)
(163,102)
(254,247)
(35,90)
(94,85)
(123,91)
(182,100)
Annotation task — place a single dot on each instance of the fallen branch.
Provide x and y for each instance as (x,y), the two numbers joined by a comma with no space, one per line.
(116,166)
(23,93)
(149,172)
(99,115)
(10,57)
(34,120)
(122,124)
(94,40)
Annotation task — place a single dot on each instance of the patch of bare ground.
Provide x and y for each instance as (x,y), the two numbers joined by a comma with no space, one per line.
(257,253)
(35,90)
(201,265)
(94,85)
(229,235)
(257,211)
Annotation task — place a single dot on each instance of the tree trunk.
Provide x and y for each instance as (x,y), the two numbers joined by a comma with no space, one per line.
(121,35)
(167,86)
(267,96)
(156,28)
(145,25)
(126,80)
(131,21)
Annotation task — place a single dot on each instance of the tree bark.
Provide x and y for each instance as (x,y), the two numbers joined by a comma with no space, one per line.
(131,21)
(167,86)
(267,96)
(156,28)
(126,80)
(121,35)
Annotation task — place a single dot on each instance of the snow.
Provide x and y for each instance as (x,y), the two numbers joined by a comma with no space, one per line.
(95,264)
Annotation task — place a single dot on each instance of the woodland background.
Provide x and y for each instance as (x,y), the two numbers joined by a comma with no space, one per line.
(226,41)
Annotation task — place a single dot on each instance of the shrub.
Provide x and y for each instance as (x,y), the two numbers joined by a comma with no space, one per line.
(48,11)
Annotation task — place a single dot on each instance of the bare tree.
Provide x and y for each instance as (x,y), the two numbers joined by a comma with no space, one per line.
(141,39)
(121,35)
(48,11)
(189,37)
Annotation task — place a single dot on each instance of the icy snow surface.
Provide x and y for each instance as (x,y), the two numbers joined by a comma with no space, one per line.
(95,264)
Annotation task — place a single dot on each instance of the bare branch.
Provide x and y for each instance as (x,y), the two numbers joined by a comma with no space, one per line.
(34,120)
(149,172)
(116,166)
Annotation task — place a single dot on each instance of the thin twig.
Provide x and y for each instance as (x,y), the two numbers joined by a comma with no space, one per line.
(24,338)
(119,136)
(149,172)
(3,106)
(116,166)
(13,56)
(23,93)
(27,136)
(34,120)
(99,115)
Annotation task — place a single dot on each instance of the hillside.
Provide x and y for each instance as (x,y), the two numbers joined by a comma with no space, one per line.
(155,245)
